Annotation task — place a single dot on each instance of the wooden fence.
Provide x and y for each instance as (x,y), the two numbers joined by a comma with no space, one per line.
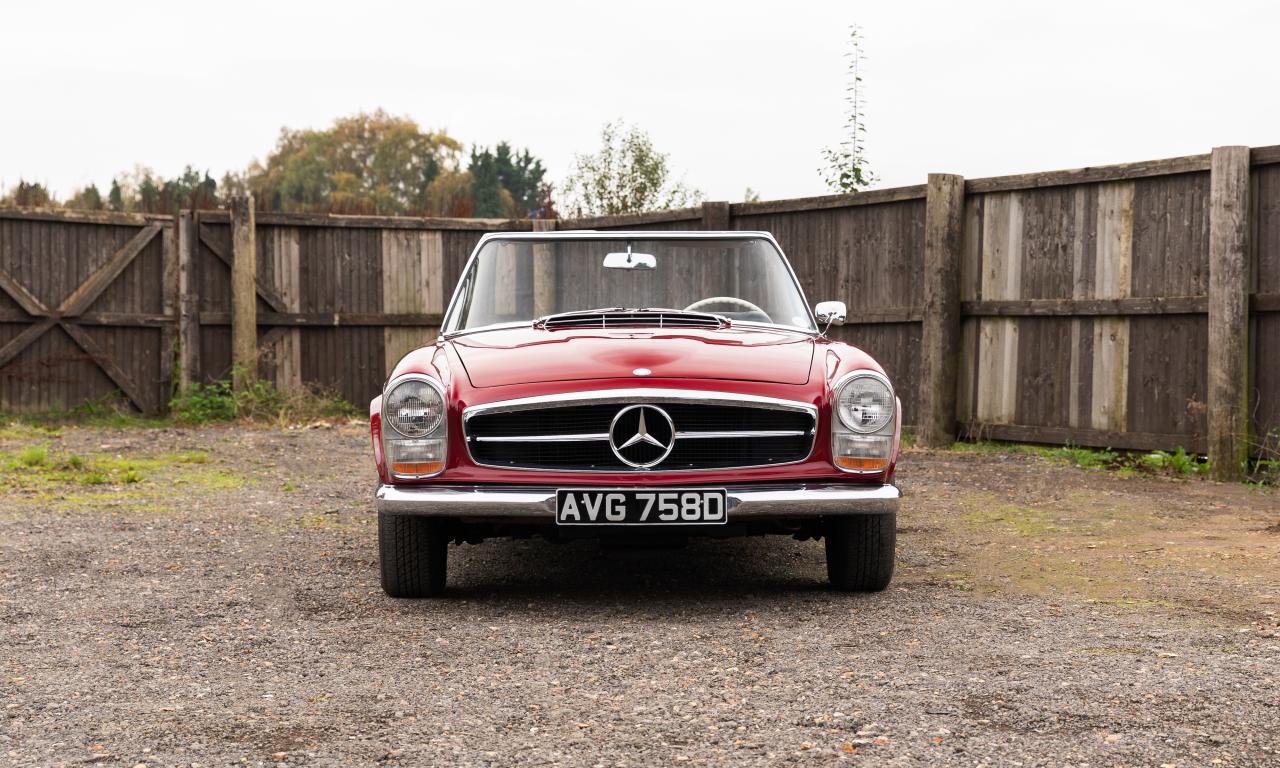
(1131,306)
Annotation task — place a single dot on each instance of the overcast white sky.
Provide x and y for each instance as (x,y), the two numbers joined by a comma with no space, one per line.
(738,93)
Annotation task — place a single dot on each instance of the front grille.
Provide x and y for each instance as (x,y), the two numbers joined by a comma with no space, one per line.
(630,319)
(574,437)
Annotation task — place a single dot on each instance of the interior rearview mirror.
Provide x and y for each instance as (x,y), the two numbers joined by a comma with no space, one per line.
(630,260)
(830,312)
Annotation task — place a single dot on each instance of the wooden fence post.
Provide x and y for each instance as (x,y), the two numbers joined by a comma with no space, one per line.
(715,217)
(1228,312)
(544,272)
(940,335)
(188,320)
(244,293)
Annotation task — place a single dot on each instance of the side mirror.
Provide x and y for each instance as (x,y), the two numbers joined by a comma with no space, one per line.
(830,313)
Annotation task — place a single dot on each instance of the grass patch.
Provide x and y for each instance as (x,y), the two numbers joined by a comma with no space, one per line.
(1085,458)
(320,522)
(259,401)
(1120,651)
(214,480)
(104,478)
(110,410)
(26,432)
(1132,602)
(1179,463)
(34,456)
(1023,521)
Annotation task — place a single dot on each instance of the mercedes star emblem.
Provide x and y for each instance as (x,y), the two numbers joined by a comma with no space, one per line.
(641,436)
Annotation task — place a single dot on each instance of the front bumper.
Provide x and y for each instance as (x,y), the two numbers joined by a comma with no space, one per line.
(756,502)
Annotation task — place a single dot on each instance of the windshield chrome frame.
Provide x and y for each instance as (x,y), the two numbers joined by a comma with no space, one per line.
(448,330)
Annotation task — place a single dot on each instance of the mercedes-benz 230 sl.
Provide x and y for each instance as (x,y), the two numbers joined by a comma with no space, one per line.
(638,386)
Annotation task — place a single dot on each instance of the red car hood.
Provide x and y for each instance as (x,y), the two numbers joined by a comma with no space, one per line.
(526,355)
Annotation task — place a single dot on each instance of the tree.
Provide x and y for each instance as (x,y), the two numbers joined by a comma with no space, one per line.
(115,198)
(522,175)
(486,186)
(366,163)
(627,175)
(846,169)
(87,199)
(192,190)
(450,195)
(506,183)
(28,194)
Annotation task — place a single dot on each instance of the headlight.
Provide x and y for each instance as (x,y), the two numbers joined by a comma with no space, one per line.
(414,408)
(865,404)
(415,437)
(862,429)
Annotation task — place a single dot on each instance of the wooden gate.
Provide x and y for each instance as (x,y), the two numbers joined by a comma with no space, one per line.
(81,318)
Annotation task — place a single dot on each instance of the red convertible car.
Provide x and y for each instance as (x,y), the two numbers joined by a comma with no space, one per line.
(634,385)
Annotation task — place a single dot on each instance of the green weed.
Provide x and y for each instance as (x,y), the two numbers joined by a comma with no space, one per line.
(34,456)
(1085,458)
(258,401)
(1179,463)
(204,404)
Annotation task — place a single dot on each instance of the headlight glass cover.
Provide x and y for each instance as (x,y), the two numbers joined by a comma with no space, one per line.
(865,404)
(414,408)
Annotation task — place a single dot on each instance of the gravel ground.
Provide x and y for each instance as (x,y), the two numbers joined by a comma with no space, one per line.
(214,600)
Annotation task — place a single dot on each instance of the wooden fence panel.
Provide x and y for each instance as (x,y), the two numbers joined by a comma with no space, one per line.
(84,312)
(870,257)
(1264,396)
(412,268)
(1167,384)
(1057,263)
(211,282)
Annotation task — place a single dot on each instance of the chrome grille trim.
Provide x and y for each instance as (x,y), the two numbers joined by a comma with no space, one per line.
(583,438)
(639,395)
(744,433)
(541,438)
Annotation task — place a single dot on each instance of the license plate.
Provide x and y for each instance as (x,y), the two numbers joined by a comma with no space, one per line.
(613,506)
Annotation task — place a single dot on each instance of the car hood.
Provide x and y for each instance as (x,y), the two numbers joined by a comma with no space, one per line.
(526,355)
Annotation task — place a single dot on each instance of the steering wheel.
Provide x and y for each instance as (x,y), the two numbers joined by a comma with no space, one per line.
(734,300)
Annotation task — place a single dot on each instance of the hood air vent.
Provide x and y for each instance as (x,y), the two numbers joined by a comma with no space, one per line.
(638,318)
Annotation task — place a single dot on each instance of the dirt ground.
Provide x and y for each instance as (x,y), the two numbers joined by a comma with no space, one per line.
(210,597)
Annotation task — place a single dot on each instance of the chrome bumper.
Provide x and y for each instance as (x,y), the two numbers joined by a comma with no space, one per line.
(530,503)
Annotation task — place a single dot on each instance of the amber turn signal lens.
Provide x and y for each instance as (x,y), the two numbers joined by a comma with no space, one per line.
(417,467)
(861,464)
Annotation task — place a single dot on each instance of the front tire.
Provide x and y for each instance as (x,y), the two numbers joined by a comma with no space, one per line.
(860,551)
(413,553)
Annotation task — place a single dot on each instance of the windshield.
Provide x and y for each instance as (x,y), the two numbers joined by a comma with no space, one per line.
(520,280)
